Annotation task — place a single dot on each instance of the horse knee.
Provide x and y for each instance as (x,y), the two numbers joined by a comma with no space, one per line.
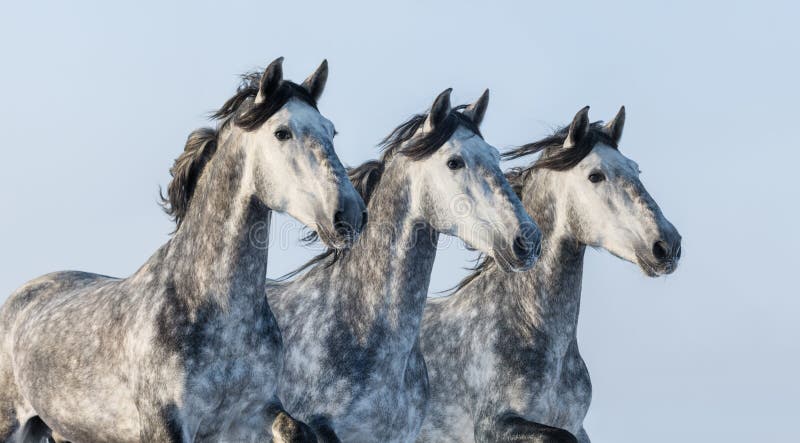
(285,429)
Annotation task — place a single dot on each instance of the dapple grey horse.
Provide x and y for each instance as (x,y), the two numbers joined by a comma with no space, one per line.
(502,351)
(186,349)
(351,323)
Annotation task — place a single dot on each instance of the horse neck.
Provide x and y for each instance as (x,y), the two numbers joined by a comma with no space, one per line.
(550,292)
(388,271)
(219,252)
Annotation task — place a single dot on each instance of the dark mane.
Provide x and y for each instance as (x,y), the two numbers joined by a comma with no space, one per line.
(201,145)
(365,178)
(426,145)
(241,110)
(554,158)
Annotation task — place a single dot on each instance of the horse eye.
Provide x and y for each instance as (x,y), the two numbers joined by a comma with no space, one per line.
(596,177)
(283,134)
(455,163)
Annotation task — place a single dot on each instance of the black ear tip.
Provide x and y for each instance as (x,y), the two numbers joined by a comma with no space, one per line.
(443,97)
(276,65)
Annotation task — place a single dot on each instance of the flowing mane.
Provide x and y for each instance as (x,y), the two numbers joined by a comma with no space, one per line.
(400,141)
(552,157)
(428,143)
(240,110)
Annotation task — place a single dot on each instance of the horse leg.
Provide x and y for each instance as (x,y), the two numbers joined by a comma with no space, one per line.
(510,427)
(286,429)
(36,431)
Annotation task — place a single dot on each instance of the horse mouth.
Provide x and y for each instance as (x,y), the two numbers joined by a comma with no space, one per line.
(334,239)
(654,268)
(508,264)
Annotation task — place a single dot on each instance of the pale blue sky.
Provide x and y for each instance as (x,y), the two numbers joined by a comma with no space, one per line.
(96,100)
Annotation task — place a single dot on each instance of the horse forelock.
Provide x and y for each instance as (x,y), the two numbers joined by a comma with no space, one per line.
(554,156)
(404,139)
(242,110)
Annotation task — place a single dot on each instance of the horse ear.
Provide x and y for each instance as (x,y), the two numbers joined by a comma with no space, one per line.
(477,110)
(439,111)
(270,80)
(614,127)
(578,129)
(315,83)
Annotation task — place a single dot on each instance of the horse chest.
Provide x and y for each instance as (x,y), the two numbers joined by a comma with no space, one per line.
(390,412)
(232,371)
(573,393)
(386,403)
(560,392)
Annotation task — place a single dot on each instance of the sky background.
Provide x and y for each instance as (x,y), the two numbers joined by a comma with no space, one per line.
(96,100)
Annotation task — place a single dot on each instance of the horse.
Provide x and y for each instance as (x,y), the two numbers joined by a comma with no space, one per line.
(350,324)
(186,349)
(502,350)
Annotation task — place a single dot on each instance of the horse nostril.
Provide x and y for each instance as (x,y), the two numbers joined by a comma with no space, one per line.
(523,248)
(527,243)
(661,250)
(363,220)
(678,252)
